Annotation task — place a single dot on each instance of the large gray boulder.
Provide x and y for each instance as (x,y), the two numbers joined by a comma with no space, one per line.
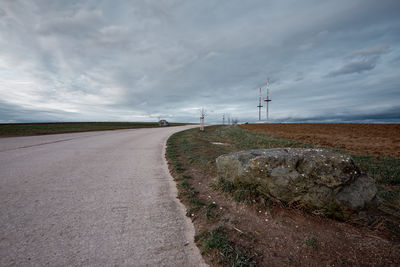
(317,178)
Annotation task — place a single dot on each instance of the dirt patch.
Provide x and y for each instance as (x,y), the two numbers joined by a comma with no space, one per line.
(371,139)
(288,236)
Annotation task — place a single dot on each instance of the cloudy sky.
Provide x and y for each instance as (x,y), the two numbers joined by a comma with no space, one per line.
(140,60)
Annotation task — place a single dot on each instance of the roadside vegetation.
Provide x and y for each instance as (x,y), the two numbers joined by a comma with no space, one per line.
(22,129)
(238,226)
(386,172)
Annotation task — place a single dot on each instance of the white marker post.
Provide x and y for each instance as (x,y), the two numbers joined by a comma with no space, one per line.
(202,114)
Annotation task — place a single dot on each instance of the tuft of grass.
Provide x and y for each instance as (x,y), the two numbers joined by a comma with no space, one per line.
(185,184)
(230,255)
(311,242)
(241,192)
(210,212)
(223,185)
(247,193)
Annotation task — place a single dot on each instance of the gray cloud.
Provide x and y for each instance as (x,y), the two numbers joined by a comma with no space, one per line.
(361,60)
(138,60)
(390,115)
(354,67)
(15,114)
(369,52)
(79,24)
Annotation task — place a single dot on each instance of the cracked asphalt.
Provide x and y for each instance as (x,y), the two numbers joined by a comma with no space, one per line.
(92,199)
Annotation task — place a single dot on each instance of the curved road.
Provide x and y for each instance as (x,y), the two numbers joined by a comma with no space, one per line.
(92,199)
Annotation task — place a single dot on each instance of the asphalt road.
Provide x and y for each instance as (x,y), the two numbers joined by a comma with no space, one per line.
(92,199)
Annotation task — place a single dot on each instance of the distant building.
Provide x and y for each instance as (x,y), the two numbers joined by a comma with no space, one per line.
(163,123)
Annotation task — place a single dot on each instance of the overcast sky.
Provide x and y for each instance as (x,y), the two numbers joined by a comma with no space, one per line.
(140,60)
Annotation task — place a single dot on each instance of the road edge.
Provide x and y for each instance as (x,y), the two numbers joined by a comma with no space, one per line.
(194,254)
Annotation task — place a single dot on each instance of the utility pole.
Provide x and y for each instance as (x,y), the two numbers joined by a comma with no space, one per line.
(267,99)
(223,119)
(259,106)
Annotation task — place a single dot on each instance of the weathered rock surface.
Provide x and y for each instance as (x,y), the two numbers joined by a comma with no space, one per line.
(318,178)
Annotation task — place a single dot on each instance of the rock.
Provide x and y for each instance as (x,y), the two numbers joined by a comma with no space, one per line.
(318,178)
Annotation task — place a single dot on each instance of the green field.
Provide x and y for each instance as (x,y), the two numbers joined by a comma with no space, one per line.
(23,129)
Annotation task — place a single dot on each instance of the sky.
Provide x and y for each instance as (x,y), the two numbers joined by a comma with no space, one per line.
(328,61)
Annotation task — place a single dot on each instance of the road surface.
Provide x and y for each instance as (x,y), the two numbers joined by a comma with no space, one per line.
(92,199)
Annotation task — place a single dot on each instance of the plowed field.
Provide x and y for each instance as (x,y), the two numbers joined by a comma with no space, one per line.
(359,139)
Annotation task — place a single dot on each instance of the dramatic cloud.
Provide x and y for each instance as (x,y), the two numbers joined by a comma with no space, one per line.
(141,60)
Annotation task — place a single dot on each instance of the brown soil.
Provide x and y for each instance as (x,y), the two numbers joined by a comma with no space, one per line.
(371,139)
(294,237)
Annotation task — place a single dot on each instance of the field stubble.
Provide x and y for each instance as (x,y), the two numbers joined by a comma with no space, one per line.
(358,139)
